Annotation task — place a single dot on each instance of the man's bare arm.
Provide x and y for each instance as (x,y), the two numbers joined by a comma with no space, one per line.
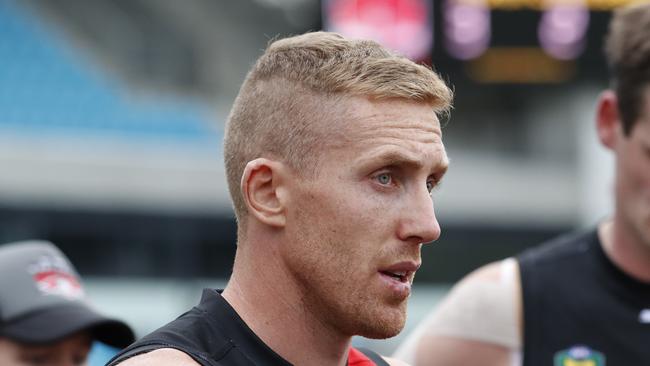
(161,357)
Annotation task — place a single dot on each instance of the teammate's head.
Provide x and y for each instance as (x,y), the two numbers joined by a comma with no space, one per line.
(624,119)
(290,102)
(45,318)
(627,49)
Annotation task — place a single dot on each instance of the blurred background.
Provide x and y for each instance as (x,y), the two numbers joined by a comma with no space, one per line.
(112,115)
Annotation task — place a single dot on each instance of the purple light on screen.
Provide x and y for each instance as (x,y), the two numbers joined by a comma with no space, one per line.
(562,30)
(467,29)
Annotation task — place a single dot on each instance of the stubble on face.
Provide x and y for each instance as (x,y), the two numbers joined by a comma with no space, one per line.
(333,283)
(341,233)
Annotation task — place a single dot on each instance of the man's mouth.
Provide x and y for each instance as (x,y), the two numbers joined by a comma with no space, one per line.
(402,272)
(401,276)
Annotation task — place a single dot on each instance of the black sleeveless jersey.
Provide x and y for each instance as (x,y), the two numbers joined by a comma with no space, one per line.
(213,334)
(580,309)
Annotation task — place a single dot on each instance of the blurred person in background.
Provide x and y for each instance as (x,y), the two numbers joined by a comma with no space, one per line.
(582,299)
(332,149)
(45,318)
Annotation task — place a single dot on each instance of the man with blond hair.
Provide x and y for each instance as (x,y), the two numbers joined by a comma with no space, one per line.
(332,149)
(584,298)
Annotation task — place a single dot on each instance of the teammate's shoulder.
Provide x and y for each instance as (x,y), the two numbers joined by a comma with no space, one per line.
(567,247)
(161,357)
(491,272)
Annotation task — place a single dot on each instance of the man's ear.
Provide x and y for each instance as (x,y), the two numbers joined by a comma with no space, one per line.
(608,119)
(261,186)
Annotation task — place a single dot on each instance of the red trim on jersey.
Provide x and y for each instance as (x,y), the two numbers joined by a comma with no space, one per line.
(356,358)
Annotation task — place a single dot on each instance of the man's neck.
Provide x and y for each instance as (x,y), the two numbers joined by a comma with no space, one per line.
(265,296)
(625,250)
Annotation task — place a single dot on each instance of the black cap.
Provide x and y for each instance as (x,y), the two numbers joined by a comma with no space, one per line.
(42,299)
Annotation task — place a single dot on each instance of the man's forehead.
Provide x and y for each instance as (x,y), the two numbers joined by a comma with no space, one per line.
(419,151)
(423,124)
(368,111)
(363,115)
(387,129)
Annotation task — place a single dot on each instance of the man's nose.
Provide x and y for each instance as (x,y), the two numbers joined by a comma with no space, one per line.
(419,223)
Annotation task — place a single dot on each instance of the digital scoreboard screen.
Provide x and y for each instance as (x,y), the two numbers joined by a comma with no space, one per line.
(490,41)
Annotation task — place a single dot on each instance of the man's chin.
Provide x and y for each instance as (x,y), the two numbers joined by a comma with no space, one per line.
(386,325)
(383,333)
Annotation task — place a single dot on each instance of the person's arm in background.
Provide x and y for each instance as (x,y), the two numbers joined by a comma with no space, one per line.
(478,323)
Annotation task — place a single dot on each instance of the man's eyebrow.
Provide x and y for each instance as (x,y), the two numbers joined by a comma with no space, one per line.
(396,158)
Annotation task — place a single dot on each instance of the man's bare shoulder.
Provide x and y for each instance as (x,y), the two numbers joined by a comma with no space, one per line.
(489,297)
(161,357)
(490,272)
(443,350)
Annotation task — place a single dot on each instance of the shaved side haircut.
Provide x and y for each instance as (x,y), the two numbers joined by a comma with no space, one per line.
(292,99)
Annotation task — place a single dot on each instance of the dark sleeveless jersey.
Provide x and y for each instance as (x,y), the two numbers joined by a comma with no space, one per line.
(213,334)
(580,309)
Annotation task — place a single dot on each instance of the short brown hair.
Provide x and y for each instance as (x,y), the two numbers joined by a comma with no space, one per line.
(298,83)
(627,49)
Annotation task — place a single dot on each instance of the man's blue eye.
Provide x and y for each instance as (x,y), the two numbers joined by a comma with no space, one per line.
(384,178)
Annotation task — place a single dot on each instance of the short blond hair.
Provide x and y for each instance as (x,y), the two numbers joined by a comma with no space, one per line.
(295,87)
